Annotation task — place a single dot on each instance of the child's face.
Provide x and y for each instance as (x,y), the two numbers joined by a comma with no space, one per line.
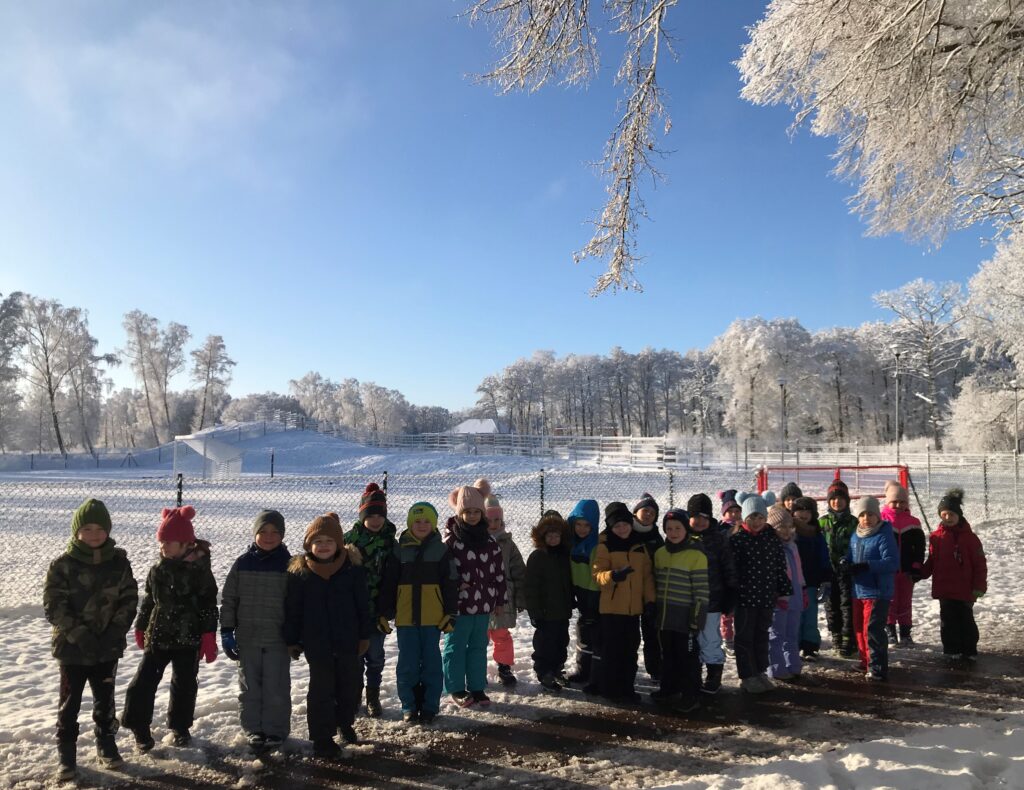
(788,503)
(867,520)
(949,518)
(374,523)
(171,549)
(803,516)
(755,522)
(581,527)
(734,515)
(495,524)
(472,515)
(699,522)
(646,515)
(324,547)
(899,505)
(421,527)
(552,538)
(268,538)
(785,532)
(675,531)
(622,529)
(838,504)
(92,535)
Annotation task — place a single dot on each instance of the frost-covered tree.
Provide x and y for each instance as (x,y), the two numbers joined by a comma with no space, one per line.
(10,338)
(995,309)
(211,370)
(384,409)
(168,360)
(142,337)
(982,415)
(925,98)
(255,405)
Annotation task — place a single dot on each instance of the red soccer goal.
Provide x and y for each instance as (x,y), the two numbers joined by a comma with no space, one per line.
(815,480)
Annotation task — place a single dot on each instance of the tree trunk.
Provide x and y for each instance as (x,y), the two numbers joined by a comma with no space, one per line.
(56,421)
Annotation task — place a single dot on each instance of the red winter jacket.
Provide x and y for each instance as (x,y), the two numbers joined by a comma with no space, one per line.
(956,563)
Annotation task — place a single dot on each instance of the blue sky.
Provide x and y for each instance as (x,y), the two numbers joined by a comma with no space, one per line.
(326,186)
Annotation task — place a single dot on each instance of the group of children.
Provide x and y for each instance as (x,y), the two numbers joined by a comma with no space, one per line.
(750,584)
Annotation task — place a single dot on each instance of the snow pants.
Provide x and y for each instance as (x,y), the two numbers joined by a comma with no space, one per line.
(141,692)
(620,641)
(652,645)
(957,628)
(588,645)
(810,636)
(709,639)
(550,647)
(784,643)
(265,690)
(839,612)
(373,660)
(504,651)
(751,640)
(73,678)
(900,610)
(680,664)
(465,654)
(335,691)
(869,615)
(419,664)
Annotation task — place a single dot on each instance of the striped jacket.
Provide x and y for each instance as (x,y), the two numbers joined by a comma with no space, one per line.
(681,582)
(421,586)
(252,601)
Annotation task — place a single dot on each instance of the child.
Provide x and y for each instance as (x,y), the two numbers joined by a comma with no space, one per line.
(763,579)
(817,568)
(681,584)
(89,597)
(731,520)
(838,525)
(645,525)
(177,624)
(789,494)
(583,521)
(784,634)
(481,591)
(956,563)
(251,618)
(548,590)
(373,536)
(327,617)
(910,542)
(871,562)
(420,593)
(515,571)
(622,570)
(712,539)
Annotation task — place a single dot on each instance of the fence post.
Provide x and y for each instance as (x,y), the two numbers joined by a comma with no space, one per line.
(702,453)
(159,454)
(736,450)
(385,486)
(181,478)
(798,454)
(271,461)
(542,490)
(1016,478)
(31,461)
(746,453)
(856,445)
(984,482)
(264,427)
(671,490)
(928,474)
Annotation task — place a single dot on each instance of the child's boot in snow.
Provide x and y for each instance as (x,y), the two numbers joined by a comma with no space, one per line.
(106,750)
(373,702)
(66,753)
(905,639)
(505,675)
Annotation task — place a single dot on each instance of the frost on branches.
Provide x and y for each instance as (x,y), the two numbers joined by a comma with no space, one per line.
(924,97)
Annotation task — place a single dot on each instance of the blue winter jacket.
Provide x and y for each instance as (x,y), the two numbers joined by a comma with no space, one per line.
(880,552)
(814,558)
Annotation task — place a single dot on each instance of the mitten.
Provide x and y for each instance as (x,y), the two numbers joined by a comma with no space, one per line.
(383,626)
(364,645)
(140,639)
(783,604)
(447,624)
(978,594)
(227,641)
(208,647)
(824,592)
(294,651)
(859,567)
(844,566)
(621,574)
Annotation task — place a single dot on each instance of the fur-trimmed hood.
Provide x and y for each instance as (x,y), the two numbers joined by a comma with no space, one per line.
(548,523)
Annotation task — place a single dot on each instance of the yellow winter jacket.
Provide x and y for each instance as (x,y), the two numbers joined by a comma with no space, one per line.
(630,595)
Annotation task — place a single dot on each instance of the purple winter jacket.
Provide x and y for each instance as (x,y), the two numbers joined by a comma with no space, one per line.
(480,566)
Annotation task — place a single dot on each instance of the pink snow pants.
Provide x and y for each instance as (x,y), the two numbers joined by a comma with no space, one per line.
(504,650)
(902,601)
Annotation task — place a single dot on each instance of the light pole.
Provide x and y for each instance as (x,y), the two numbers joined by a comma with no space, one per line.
(1016,441)
(896,353)
(782,420)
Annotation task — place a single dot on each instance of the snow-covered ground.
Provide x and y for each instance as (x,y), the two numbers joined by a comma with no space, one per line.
(931,727)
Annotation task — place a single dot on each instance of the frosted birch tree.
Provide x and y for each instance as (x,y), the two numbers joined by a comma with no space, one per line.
(10,339)
(995,307)
(211,370)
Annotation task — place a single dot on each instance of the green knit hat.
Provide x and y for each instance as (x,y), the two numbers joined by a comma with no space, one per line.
(91,511)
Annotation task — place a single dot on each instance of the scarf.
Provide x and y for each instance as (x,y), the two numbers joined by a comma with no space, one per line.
(474,537)
(89,555)
(638,527)
(867,532)
(615,543)
(325,569)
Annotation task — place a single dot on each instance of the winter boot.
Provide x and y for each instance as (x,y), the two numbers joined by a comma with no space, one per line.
(373,702)
(890,631)
(480,698)
(578,677)
(182,738)
(106,750)
(905,639)
(418,694)
(348,734)
(143,739)
(505,675)
(326,749)
(714,679)
(67,751)
(549,683)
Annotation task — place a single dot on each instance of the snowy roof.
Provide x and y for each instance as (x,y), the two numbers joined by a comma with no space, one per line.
(480,426)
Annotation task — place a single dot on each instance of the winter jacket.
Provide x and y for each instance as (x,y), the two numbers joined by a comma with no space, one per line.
(814,557)
(376,549)
(252,600)
(880,552)
(760,568)
(581,558)
(714,542)
(909,538)
(956,562)
(421,586)
(515,572)
(681,587)
(327,617)
(91,608)
(795,572)
(480,567)
(629,595)
(180,602)
(838,527)
(548,584)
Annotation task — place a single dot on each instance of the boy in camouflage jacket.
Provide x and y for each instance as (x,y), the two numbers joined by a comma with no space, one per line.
(90,597)
(176,625)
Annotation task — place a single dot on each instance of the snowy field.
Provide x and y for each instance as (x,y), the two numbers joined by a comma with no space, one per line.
(931,727)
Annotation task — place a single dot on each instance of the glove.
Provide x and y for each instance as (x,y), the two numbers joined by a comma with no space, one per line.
(807,599)
(208,647)
(859,567)
(295,651)
(844,566)
(140,639)
(383,626)
(650,610)
(824,592)
(783,604)
(978,594)
(447,624)
(364,645)
(621,574)
(227,641)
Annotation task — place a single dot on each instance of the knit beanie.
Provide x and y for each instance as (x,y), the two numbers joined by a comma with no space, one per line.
(271,517)
(676,514)
(646,501)
(91,511)
(894,492)
(778,516)
(373,502)
(806,503)
(866,504)
(483,485)
(699,505)
(466,497)
(492,507)
(838,488)
(728,498)
(176,525)
(751,504)
(328,525)
(614,512)
(790,490)
(422,510)
(953,501)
